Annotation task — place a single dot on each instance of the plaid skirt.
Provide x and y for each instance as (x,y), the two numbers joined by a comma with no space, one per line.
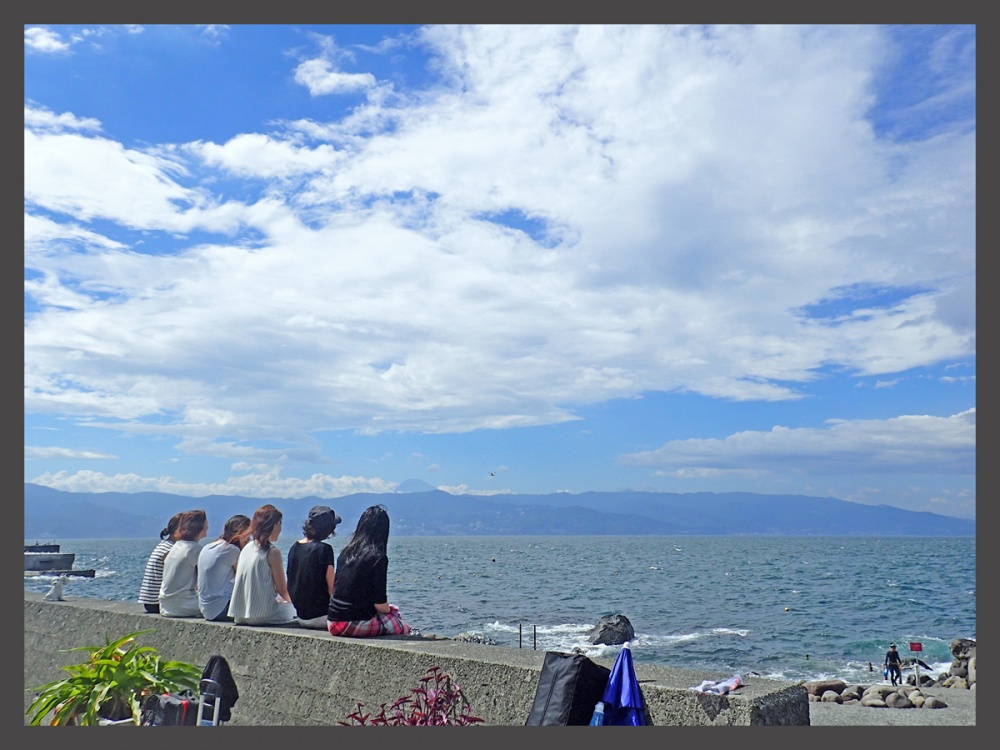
(380,624)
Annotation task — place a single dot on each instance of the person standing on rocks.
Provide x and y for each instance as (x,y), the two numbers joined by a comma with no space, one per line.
(893,662)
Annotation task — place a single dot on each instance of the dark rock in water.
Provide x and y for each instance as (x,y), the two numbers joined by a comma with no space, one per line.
(612,630)
(962,648)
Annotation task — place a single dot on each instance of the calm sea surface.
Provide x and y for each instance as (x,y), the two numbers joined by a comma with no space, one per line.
(785,607)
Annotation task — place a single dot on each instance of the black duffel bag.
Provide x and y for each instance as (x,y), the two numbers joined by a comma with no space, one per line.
(569,686)
(169,710)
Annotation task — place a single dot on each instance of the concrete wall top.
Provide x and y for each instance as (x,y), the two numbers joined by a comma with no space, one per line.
(293,676)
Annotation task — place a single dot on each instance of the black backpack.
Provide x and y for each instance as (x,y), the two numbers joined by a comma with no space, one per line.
(169,709)
(569,686)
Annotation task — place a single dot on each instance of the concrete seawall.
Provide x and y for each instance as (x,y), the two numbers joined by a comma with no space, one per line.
(299,677)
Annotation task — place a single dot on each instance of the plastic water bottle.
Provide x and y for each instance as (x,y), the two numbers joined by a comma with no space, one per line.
(598,718)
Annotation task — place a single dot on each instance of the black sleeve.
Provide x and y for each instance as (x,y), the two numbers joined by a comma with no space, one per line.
(380,574)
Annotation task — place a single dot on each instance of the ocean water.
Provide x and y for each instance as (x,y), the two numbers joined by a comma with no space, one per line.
(783,607)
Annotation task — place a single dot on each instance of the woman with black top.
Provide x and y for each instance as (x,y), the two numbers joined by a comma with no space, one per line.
(310,568)
(360,606)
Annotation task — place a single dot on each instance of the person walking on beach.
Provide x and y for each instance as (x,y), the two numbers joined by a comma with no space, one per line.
(217,569)
(260,591)
(311,568)
(152,576)
(359,606)
(179,588)
(894,663)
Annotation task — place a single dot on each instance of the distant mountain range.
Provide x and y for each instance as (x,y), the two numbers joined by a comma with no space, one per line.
(54,514)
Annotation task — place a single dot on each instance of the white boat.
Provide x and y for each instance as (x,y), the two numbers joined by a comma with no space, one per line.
(43,561)
(47,560)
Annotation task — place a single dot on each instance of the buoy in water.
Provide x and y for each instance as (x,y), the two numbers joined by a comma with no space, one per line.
(786,609)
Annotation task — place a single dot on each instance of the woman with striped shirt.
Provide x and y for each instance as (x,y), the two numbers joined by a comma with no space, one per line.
(260,591)
(152,577)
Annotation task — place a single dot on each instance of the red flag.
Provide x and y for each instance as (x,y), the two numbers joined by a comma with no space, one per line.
(916,646)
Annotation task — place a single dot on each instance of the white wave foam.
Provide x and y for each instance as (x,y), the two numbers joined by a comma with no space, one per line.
(742,632)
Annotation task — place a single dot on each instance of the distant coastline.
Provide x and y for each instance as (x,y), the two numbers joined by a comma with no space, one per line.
(51,513)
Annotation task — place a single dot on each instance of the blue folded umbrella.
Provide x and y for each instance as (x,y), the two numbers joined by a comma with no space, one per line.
(622,699)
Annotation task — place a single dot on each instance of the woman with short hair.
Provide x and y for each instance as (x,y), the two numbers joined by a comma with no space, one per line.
(360,607)
(311,568)
(179,589)
(260,592)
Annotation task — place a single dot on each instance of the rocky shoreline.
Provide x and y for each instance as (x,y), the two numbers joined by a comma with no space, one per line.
(961,676)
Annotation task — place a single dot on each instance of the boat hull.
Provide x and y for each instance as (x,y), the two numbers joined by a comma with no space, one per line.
(48,560)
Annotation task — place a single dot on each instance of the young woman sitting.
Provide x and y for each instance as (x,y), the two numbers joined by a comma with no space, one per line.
(179,589)
(359,606)
(217,569)
(311,568)
(260,593)
(152,575)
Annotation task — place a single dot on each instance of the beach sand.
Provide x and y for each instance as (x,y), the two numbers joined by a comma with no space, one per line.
(961,711)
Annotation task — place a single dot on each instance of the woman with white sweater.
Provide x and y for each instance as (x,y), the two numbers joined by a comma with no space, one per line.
(179,589)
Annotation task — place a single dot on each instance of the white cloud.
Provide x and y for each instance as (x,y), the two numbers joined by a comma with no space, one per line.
(32,452)
(256,155)
(914,444)
(464,489)
(89,178)
(568,215)
(42,119)
(215,31)
(320,77)
(259,481)
(41,39)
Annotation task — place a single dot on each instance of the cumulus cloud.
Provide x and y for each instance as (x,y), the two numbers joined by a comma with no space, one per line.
(256,155)
(566,215)
(43,119)
(320,77)
(41,39)
(260,480)
(913,444)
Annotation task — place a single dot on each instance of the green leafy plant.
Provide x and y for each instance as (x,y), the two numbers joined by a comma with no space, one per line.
(111,683)
(437,702)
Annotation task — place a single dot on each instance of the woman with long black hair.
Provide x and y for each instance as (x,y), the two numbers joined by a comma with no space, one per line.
(360,607)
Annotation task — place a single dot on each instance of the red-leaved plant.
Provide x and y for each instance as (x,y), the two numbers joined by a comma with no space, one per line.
(437,702)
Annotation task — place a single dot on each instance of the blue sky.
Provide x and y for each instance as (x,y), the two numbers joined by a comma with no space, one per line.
(285,260)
